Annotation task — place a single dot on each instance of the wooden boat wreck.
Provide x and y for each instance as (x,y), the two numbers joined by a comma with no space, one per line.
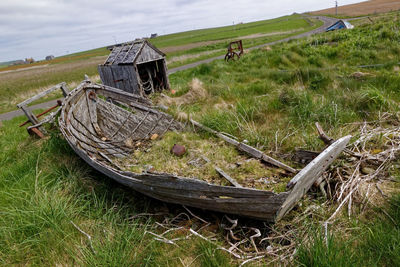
(95,125)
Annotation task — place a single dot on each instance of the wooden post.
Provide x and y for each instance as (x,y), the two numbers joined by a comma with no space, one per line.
(167,85)
(64,89)
(31,117)
(40,95)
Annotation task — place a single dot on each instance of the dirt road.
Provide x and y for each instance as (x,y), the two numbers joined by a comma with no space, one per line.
(326,20)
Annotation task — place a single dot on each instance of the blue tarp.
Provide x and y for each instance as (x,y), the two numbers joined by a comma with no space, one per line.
(340,24)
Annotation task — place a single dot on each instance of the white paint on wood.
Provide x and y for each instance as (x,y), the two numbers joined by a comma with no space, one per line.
(307,176)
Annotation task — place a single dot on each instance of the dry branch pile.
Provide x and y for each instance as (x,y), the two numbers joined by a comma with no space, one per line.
(351,183)
(367,164)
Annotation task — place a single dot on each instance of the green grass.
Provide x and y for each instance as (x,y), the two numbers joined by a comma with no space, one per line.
(71,68)
(18,86)
(375,242)
(272,98)
(247,43)
(266,26)
(44,187)
(300,83)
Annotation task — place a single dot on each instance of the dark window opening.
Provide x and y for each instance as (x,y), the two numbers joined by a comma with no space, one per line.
(152,76)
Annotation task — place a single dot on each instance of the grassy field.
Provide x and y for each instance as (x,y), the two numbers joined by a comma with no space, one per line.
(48,196)
(281,24)
(219,48)
(21,81)
(309,80)
(16,86)
(50,201)
(183,41)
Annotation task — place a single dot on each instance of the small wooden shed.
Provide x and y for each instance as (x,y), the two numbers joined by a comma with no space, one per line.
(137,67)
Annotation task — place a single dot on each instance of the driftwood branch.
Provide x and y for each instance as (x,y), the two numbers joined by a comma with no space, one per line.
(219,247)
(246,148)
(191,213)
(322,135)
(329,140)
(85,234)
(161,238)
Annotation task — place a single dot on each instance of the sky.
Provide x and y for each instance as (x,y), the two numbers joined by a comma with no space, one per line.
(37,28)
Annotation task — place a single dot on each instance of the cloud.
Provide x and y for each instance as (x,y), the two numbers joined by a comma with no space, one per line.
(43,27)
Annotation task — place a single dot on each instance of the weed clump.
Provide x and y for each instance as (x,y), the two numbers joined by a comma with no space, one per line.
(196,93)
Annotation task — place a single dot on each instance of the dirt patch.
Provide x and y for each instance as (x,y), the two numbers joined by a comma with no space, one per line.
(363,8)
(22,69)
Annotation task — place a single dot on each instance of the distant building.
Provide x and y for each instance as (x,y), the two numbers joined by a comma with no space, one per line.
(153,35)
(50,57)
(340,24)
(18,62)
(29,60)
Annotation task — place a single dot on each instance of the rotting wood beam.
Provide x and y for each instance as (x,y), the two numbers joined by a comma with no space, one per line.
(127,53)
(42,94)
(227,177)
(302,182)
(246,148)
(31,117)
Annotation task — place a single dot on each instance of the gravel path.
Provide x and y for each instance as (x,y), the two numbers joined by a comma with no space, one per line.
(326,20)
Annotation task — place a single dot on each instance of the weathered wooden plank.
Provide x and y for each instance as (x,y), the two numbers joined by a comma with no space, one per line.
(87,143)
(147,54)
(246,148)
(227,177)
(132,54)
(266,211)
(102,74)
(130,82)
(41,94)
(111,92)
(166,80)
(130,73)
(31,117)
(64,89)
(127,52)
(92,109)
(307,176)
(117,79)
(108,77)
(117,50)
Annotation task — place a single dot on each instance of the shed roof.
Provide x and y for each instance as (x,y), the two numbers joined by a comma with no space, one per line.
(128,53)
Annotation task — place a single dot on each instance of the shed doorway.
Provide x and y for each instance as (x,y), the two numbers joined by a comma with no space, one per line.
(153,76)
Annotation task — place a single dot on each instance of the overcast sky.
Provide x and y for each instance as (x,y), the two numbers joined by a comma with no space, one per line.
(36,28)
